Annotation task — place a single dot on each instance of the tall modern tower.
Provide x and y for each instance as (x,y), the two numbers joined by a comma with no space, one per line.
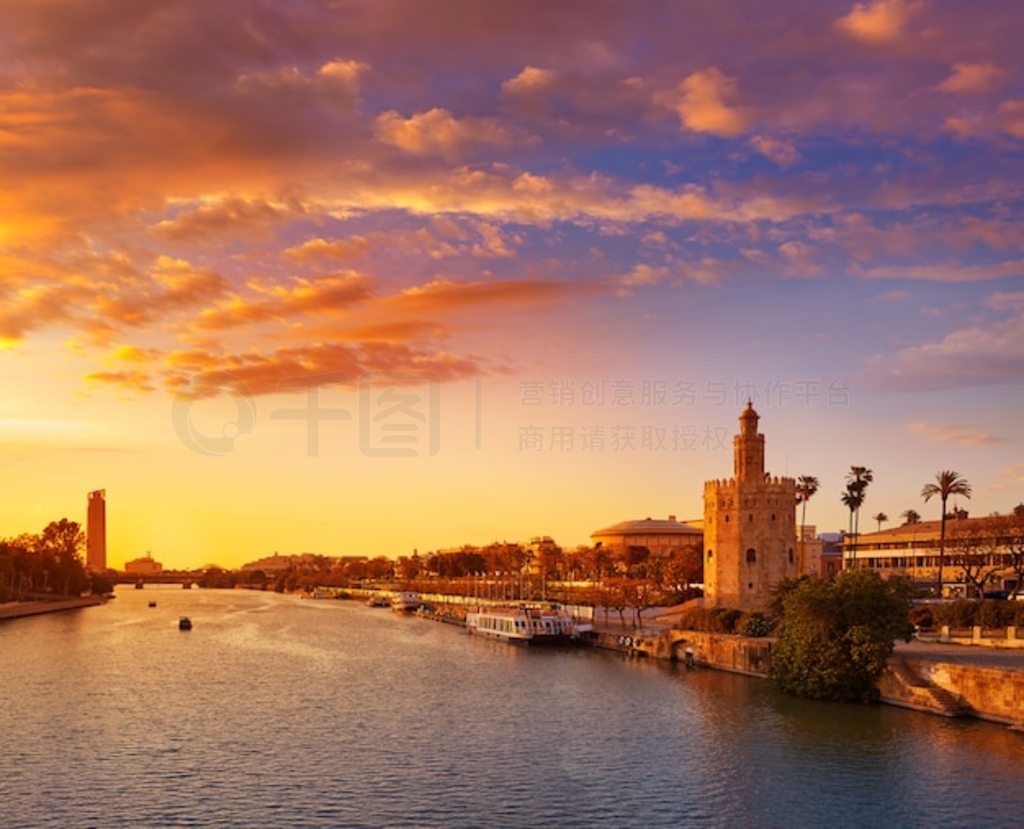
(96,531)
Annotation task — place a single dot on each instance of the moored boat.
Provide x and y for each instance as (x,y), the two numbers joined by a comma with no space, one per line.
(524,625)
(378,601)
(184,623)
(405,601)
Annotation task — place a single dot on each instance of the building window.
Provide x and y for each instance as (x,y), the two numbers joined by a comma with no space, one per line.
(750,584)
(751,555)
(773,516)
(790,555)
(727,519)
(750,517)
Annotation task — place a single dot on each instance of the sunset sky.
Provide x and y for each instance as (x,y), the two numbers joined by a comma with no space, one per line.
(532,257)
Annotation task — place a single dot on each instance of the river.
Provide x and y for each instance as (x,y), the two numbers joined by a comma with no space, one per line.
(280,712)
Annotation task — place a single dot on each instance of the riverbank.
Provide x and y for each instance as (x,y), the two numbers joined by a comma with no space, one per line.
(937,678)
(17,610)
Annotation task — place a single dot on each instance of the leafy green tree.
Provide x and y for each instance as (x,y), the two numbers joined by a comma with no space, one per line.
(835,635)
(947,482)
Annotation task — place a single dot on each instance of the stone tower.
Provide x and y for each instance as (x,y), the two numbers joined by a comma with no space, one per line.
(749,527)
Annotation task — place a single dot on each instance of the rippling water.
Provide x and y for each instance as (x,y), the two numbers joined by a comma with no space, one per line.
(277,712)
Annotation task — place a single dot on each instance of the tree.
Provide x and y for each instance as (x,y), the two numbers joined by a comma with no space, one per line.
(975,547)
(947,482)
(806,487)
(879,517)
(1011,533)
(62,541)
(835,634)
(852,498)
(911,516)
(858,479)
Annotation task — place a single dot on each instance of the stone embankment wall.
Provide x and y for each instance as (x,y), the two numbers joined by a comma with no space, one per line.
(15,610)
(955,689)
(937,687)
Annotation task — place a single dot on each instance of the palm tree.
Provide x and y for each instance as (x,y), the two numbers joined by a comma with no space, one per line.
(911,516)
(806,487)
(947,482)
(857,479)
(852,498)
(880,517)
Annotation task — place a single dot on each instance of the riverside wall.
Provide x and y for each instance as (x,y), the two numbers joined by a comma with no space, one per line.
(931,685)
(16,610)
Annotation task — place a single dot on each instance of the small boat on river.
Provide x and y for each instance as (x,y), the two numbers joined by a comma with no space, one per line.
(184,623)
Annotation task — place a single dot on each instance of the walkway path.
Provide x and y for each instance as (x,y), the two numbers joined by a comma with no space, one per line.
(963,654)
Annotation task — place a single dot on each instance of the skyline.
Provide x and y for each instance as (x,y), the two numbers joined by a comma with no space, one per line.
(209,212)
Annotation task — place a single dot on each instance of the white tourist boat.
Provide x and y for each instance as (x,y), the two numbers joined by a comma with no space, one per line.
(524,625)
(405,601)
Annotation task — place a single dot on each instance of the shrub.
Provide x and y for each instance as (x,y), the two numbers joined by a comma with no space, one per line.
(709,619)
(994,614)
(753,624)
(921,616)
(958,614)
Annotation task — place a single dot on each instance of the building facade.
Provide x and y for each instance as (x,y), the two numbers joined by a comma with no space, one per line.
(660,537)
(96,531)
(987,546)
(144,566)
(749,527)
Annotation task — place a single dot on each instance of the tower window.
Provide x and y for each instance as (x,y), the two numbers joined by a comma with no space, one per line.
(790,555)
(750,517)
(727,519)
(750,584)
(711,554)
(751,555)
(773,516)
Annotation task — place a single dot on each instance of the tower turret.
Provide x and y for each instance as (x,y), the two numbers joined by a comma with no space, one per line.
(748,447)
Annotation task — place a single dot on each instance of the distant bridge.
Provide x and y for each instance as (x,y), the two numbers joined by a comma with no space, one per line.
(157,578)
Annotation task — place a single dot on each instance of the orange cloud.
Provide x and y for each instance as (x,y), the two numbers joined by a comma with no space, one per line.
(703,103)
(310,366)
(128,380)
(335,83)
(341,250)
(878,21)
(782,152)
(234,215)
(445,296)
(438,132)
(531,81)
(971,78)
(321,295)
